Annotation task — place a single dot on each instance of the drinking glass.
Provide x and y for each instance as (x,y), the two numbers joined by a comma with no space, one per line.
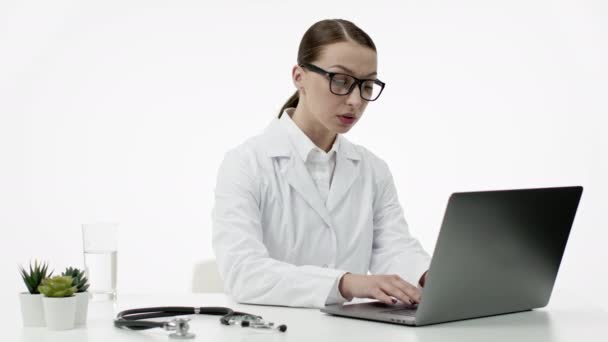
(100,247)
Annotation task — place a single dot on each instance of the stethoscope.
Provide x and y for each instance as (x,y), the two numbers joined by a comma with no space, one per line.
(131,319)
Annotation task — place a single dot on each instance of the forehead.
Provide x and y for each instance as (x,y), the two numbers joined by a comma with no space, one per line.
(356,57)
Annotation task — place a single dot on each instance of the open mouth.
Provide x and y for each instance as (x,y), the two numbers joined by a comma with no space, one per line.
(347,118)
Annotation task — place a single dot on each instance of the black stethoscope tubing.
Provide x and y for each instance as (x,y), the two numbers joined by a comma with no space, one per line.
(132,318)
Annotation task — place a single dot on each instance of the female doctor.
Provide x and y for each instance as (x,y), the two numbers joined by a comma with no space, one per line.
(301,214)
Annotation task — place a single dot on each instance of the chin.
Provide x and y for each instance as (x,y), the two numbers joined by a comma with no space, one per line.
(343,129)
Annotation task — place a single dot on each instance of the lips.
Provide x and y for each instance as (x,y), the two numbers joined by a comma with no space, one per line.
(347,119)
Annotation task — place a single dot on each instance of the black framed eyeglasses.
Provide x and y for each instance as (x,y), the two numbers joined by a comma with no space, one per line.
(343,84)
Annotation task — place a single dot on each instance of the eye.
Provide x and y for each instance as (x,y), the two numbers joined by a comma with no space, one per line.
(368,86)
(342,80)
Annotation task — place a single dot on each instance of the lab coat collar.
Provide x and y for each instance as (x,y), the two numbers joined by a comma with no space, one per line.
(347,170)
(278,144)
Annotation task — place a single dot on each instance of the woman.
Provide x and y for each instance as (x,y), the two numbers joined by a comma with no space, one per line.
(301,214)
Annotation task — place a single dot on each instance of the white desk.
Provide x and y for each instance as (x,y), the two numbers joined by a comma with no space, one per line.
(562,320)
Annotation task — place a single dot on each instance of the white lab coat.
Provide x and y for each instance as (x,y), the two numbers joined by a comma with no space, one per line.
(277,242)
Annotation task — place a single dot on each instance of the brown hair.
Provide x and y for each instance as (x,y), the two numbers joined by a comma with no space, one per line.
(319,35)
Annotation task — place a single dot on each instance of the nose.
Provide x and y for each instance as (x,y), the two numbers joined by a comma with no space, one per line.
(354,98)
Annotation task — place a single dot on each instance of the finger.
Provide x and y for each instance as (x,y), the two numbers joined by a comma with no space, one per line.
(396,292)
(414,293)
(378,294)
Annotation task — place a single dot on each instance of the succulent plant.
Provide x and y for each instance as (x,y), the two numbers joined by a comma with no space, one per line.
(34,277)
(57,286)
(80,281)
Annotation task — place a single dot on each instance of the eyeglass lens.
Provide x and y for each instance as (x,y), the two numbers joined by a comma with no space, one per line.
(341,84)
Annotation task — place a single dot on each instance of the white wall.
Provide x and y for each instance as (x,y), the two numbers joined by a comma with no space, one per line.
(122,110)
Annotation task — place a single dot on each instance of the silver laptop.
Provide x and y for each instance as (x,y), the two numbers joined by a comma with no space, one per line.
(497,252)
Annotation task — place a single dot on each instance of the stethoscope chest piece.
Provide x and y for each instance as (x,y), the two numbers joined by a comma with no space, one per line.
(181,327)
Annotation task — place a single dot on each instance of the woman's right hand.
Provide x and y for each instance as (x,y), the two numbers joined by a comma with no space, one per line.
(380,287)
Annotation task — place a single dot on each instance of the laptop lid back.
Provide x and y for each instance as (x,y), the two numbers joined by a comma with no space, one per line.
(497,252)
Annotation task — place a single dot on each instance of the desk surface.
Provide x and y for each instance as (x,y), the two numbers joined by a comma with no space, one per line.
(561,320)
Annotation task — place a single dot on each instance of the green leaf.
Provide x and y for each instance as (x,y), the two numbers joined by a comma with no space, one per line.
(57,286)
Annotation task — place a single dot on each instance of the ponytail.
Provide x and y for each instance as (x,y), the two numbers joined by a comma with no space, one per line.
(292,102)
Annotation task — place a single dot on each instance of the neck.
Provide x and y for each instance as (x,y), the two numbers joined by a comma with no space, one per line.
(320,136)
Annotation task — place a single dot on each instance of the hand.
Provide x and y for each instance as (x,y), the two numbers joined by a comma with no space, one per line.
(380,287)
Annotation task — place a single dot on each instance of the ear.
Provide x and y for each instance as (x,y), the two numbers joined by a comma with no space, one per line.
(297,77)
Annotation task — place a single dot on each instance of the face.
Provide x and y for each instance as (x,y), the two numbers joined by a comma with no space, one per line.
(326,110)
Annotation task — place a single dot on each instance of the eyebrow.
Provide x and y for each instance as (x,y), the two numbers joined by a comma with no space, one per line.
(348,70)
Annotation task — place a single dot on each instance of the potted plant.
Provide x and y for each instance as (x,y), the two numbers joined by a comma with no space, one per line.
(58,302)
(82,296)
(31,301)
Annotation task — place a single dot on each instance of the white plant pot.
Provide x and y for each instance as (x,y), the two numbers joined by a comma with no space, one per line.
(82,307)
(31,310)
(59,313)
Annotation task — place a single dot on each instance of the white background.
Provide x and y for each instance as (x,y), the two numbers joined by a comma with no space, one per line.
(123,110)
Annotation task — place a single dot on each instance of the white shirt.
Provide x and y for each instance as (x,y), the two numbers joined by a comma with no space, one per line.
(321,166)
(279,241)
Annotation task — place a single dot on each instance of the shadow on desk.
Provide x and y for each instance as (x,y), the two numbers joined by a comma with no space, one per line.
(536,325)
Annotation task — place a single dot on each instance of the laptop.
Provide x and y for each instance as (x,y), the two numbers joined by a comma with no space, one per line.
(498,252)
